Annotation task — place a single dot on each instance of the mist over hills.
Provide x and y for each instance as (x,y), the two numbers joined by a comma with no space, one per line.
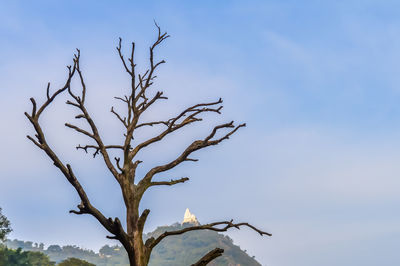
(180,250)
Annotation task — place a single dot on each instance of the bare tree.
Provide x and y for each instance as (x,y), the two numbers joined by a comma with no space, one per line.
(137,102)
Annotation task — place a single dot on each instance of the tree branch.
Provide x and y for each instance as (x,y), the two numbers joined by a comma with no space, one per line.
(169,183)
(152,124)
(211,226)
(189,115)
(95,133)
(123,120)
(85,206)
(97,148)
(210,256)
(35,142)
(196,145)
(153,66)
(144,105)
(142,219)
(135,107)
(122,57)
(84,132)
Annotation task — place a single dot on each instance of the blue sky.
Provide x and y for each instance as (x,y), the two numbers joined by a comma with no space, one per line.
(317,82)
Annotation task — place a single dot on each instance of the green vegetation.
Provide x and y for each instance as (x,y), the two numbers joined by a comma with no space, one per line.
(12,257)
(59,254)
(18,257)
(180,250)
(4,227)
(114,255)
(75,262)
(183,250)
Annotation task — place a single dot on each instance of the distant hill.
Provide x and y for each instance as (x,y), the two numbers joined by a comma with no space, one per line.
(186,249)
(181,250)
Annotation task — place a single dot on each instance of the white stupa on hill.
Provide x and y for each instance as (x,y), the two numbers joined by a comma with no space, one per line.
(189,218)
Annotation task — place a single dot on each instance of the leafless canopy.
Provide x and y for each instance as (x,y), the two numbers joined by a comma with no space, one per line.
(123,169)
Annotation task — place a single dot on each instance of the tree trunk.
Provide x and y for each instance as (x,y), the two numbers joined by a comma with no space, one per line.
(131,256)
(140,256)
(137,252)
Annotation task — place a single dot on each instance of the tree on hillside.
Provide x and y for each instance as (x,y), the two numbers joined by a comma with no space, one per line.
(18,257)
(5,227)
(138,100)
(75,262)
(54,248)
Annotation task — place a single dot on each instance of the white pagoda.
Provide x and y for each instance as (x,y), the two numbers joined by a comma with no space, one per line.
(189,218)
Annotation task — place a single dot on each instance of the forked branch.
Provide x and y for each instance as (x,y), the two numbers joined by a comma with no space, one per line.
(138,102)
(186,117)
(211,226)
(97,148)
(196,145)
(94,134)
(85,207)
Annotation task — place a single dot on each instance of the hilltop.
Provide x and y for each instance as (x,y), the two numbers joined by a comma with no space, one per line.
(183,250)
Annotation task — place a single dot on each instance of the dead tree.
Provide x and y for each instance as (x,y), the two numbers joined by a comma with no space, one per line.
(137,102)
